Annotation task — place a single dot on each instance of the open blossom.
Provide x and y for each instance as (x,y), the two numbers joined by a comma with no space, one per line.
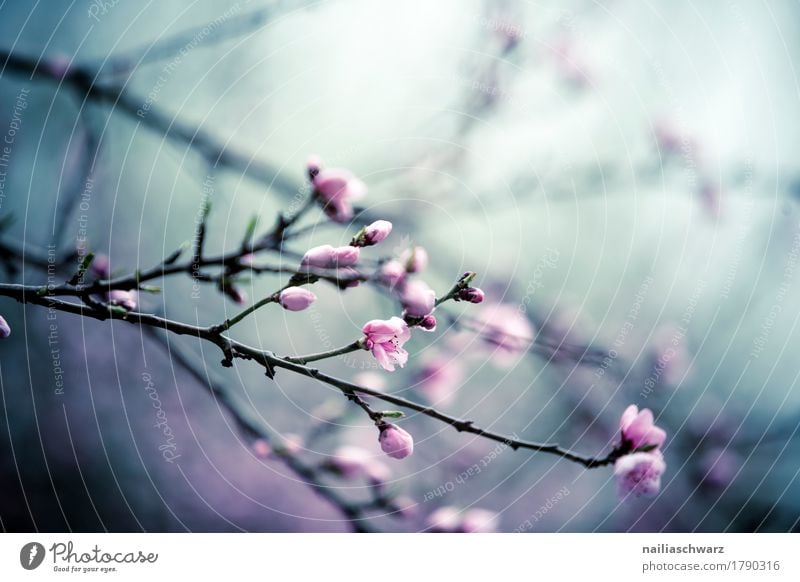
(392,273)
(414,259)
(396,442)
(638,429)
(5,329)
(639,474)
(385,339)
(126,299)
(296,298)
(329,257)
(417,298)
(336,190)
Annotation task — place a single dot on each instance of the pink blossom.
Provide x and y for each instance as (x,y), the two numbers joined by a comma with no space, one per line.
(375,233)
(507,329)
(417,298)
(428,323)
(296,298)
(346,256)
(337,189)
(329,257)
(321,257)
(639,474)
(385,339)
(414,259)
(446,519)
(396,442)
(471,294)
(638,429)
(439,379)
(5,329)
(393,273)
(121,298)
(479,521)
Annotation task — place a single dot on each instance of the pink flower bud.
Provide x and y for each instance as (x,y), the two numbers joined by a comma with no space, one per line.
(247,259)
(321,257)
(638,429)
(336,190)
(376,232)
(415,259)
(639,474)
(396,442)
(428,323)
(393,273)
(328,257)
(346,256)
(417,298)
(296,298)
(385,339)
(479,521)
(471,294)
(5,329)
(121,298)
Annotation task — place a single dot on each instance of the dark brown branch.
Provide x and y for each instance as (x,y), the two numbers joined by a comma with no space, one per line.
(230,347)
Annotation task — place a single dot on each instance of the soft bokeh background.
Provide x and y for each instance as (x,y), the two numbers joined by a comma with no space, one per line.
(611,167)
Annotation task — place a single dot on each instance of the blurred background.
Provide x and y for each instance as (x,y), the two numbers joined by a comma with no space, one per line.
(622,175)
